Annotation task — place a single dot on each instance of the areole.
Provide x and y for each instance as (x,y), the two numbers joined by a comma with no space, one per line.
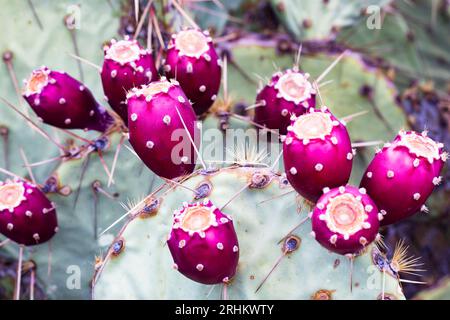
(315,125)
(152,89)
(124,51)
(420,145)
(197,219)
(294,86)
(37,81)
(345,214)
(191,43)
(11,195)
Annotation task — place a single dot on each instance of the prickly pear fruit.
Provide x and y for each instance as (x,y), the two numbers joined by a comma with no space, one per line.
(159,116)
(26,215)
(345,220)
(126,65)
(193,61)
(287,93)
(204,244)
(317,153)
(64,102)
(403,174)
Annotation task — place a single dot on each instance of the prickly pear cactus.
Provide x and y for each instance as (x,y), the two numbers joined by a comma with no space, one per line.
(138,265)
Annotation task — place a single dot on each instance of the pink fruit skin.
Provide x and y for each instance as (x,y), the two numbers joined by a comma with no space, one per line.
(272,115)
(201,83)
(395,195)
(28,229)
(217,252)
(66,103)
(352,245)
(151,136)
(302,161)
(118,78)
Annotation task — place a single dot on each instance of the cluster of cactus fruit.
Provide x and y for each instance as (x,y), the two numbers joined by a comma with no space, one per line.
(206,231)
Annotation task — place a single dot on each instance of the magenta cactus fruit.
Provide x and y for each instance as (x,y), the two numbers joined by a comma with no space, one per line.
(26,215)
(287,93)
(403,174)
(317,153)
(126,65)
(162,128)
(64,102)
(204,244)
(193,61)
(345,220)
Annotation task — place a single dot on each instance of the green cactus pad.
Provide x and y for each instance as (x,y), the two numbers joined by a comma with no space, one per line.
(139,265)
(316,20)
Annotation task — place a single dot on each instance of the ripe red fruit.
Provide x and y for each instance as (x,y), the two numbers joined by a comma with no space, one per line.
(126,65)
(156,113)
(64,102)
(26,215)
(403,174)
(204,244)
(345,220)
(193,62)
(317,153)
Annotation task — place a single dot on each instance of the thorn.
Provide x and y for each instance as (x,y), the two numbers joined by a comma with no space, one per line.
(351,117)
(325,83)
(105,167)
(149,33)
(83,171)
(70,23)
(8,60)
(97,187)
(352,258)
(4,242)
(225,291)
(235,195)
(85,61)
(191,139)
(49,259)
(35,15)
(253,123)
(227,37)
(272,270)
(168,181)
(330,67)
(316,87)
(116,156)
(276,197)
(19,274)
(225,79)
(141,21)
(277,160)
(40,163)
(293,229)
(136,10)
(25,161)
(256,105)
(297,58)
(4,133)
(95,224)
(32,283)
(412,281)
(366,144)
(157,30)
(185,15)
(39,130)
